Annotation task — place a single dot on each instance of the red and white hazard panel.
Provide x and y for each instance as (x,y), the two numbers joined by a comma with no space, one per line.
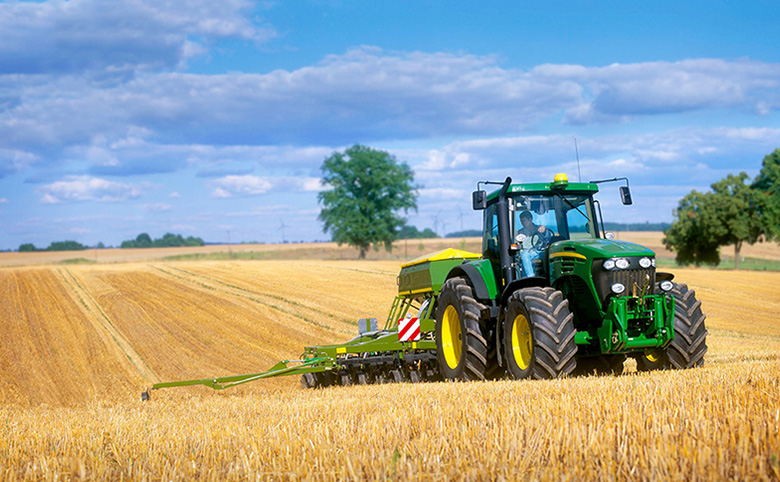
(409,328)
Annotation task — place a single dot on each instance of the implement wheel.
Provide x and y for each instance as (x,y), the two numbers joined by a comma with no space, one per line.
(308,380)
(690,335)
(461,339)
(538,334)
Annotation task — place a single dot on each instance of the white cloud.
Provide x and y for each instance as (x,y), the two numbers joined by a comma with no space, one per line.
(232,186)
(250,185)
(117,36)
(3,200)
(157,207)
(310,184)
(649,88)
(86,188)
(366,93)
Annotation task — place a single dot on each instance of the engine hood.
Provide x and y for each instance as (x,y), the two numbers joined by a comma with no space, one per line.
(599,248)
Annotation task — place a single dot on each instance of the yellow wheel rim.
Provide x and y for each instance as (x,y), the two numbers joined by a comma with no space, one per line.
(451,337)
(521,341)
(653,356)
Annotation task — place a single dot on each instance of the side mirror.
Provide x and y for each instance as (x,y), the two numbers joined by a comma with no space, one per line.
(625,195)
(479,200)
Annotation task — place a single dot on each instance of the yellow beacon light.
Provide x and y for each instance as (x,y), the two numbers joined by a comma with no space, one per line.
(560,181)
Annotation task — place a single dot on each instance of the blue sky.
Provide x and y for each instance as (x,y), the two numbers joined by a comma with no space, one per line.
(213,118)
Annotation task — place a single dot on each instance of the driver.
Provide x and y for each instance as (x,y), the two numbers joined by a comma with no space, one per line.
(534,238)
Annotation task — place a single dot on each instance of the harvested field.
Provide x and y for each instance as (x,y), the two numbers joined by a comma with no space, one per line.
(81,342)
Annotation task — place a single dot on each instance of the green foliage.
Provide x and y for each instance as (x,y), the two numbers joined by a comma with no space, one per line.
(466,233)
(55,246)
(732,214)
(411,232)
(367,190)
(168,240)
(66,246)
(767,184)
(690,234)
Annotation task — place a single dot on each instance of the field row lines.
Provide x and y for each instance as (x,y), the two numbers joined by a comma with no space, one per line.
(220,286)
(103,324)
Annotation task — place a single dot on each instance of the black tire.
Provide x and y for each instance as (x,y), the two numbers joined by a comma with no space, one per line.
(308,380)
(462,340)
(324,379)
(690,335)
(538,334)
(600,365)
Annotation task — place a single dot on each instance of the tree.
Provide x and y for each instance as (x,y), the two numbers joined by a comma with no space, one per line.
(767,185)
(27,247)
(737,213)
(367,190)
(143,240)
(729,215)
(691,233)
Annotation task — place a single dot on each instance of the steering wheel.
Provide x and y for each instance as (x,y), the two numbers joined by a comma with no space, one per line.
(536,240)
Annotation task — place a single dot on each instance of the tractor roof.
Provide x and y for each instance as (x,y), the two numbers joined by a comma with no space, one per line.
(560,184)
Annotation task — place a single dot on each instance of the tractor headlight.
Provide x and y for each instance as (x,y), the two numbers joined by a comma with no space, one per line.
(667,285)
(619,263)
(645,262)
(618,288)
(653,261)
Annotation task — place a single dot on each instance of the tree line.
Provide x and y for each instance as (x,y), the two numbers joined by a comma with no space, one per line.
(169,240)
(143,240)
(55,246)
(736,211)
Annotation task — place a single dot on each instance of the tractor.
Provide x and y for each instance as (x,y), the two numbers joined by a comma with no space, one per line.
(553,294)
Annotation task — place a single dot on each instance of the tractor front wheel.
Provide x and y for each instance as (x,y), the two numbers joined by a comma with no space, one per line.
(538,334)
(461,339)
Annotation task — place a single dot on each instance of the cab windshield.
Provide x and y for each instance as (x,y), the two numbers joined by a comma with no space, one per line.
(563,215)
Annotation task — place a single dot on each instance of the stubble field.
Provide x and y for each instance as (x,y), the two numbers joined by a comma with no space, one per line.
(79,344)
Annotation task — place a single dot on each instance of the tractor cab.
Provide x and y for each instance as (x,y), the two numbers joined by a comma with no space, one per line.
(538,216)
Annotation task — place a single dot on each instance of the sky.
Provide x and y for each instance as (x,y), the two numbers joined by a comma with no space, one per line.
(212,119)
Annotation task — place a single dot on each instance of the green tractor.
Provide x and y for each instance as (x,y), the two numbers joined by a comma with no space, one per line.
(551,295)
(554,294)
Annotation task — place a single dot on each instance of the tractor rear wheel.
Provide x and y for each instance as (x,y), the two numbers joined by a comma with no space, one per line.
(461,337)
(690,335)
(538,334)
